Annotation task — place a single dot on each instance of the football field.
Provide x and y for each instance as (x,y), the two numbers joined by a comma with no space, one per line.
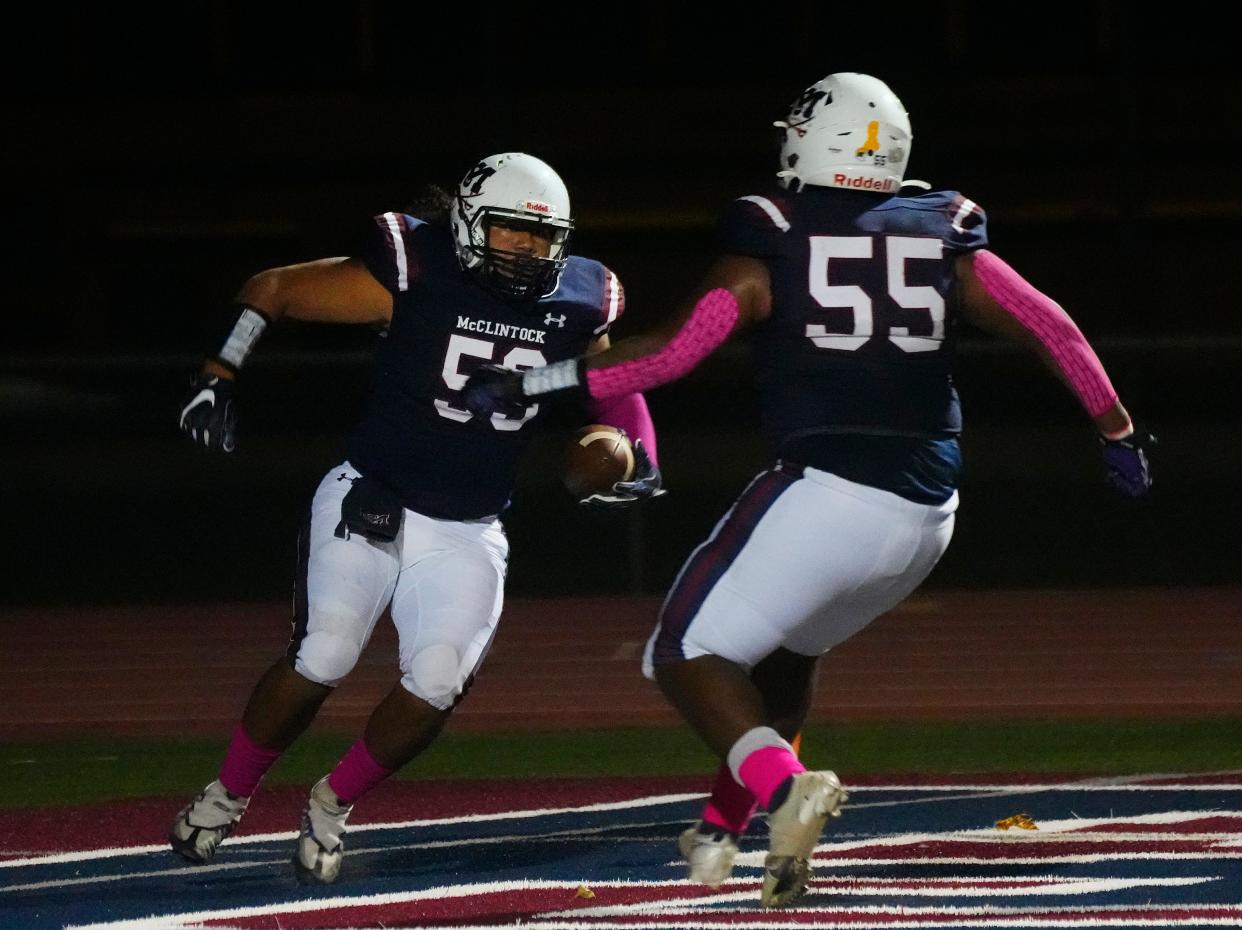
(1084,771)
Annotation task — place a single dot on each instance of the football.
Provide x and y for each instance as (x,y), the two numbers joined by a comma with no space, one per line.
(596,458)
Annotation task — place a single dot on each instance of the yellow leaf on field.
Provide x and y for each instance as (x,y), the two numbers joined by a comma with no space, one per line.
(1021,821)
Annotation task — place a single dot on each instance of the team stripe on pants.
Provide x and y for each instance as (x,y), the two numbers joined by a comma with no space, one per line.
(301,602)
(712,559)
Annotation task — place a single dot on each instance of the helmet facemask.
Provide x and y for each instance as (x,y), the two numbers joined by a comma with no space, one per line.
(518,275)
(513,191)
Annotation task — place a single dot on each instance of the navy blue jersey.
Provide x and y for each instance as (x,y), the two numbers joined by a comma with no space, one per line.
(415,435)
(860,343)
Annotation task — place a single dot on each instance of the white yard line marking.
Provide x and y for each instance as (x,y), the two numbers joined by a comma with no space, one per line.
(690,905)
(170,921)
(652,801)
(188,870)
(885,887)
(697,923)
(866,861)
(580,835)
(979,792)
(825,919)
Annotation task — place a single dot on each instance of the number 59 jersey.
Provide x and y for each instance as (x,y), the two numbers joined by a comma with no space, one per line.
(860,337)
(415,434)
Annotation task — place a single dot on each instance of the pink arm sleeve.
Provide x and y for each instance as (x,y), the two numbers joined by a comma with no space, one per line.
(628,412)
(1043,318)
(709,325)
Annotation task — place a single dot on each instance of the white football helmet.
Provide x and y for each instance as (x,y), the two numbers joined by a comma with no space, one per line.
(848,130)
(517,191)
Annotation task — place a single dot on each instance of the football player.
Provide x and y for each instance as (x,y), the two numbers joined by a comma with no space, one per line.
(410,519)
(853,287)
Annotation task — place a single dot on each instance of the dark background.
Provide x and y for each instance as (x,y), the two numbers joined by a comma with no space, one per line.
(155,160)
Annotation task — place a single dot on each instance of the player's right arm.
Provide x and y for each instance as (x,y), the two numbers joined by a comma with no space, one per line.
(736,293)
(999,301)
(331,290)
(749,301)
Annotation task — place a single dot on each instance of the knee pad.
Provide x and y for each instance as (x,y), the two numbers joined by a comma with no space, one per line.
(326,658)
(434,675)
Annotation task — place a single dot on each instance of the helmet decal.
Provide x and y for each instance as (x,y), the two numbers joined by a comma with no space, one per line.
(848,130)
(473,181)
(872,143)
(804,106)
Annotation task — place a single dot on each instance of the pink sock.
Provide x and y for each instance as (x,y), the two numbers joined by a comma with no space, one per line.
(245,763)
(765,769)
(356,774)
(730,807)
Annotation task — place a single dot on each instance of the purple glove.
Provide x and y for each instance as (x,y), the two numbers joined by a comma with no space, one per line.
(1129,471)
(493,389)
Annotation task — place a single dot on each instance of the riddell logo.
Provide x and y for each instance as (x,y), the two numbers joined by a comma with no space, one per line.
(867,184)
(537,207)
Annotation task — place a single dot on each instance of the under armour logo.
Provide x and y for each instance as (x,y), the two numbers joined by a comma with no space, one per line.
(558,320)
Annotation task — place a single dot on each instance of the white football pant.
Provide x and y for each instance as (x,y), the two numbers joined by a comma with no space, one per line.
(444,580)
(803,560)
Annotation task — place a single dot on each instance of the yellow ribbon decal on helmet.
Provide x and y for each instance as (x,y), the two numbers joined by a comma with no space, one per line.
(872,145)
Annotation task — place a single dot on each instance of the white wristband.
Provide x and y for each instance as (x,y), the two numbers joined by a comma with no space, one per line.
(559,376)
(245,333)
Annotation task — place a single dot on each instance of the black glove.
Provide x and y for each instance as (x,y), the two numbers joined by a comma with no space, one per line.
(208,417)
(1128,464)
(645,484)
(493,389)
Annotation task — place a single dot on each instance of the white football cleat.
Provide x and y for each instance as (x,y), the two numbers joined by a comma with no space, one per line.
(205,821)
(320,849)
(709,855)
(794,829)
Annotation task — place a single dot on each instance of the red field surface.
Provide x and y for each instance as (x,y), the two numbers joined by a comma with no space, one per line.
(951,655)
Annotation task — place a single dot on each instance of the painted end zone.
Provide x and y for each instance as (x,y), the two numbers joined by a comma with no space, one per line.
(1150,851)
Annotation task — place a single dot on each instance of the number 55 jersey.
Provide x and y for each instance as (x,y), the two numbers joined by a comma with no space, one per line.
(854,363)
(414,435)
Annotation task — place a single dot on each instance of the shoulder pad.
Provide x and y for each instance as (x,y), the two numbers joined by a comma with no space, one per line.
(755,224)
(595,289)
(388,250)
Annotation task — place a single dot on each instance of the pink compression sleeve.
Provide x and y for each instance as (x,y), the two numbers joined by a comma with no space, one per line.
(629,412)
(1044,318)
(709,325)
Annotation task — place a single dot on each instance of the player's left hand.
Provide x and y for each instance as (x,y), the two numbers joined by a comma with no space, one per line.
(1128,462)
(646,483)
(494,389)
